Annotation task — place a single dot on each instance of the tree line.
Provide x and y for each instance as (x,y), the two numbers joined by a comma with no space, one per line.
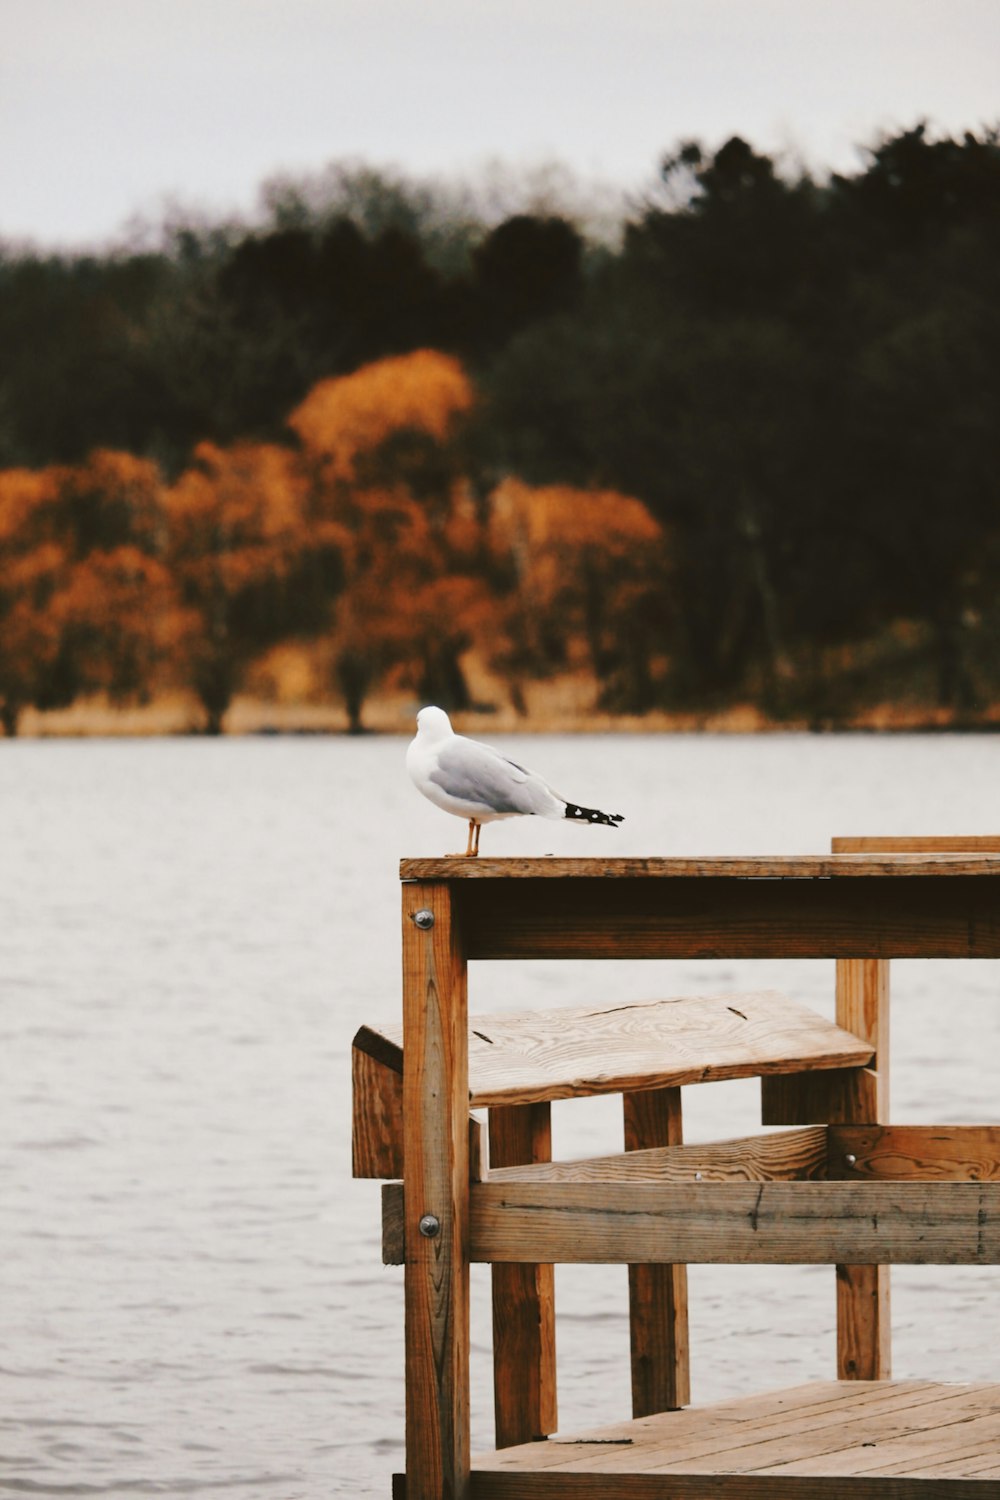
(747,450)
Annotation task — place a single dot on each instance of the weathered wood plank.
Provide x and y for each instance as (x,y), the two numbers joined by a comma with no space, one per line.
(929,1153)
(658,1300)
(523,1057)
(652,1486)
(524,1325)
(713,916)
(784,1156)
(863,1439)
(376,1118)
(842,1094)
(435,1121)
(753,867)
(974,843)
(942,1223)
(864,1317)
(661,1439)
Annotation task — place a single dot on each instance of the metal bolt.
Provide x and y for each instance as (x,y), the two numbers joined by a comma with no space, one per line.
(850,1159)
(429,1226)
(697,1177)
(423,919)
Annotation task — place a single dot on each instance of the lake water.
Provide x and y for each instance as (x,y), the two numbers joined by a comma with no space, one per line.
(191,932)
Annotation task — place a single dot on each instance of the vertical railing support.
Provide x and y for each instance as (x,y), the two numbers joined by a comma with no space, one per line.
(436,1146)
(524,1316)
(864,1340)
(658,1305)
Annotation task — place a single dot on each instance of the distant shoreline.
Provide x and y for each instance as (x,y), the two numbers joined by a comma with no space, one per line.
(180,716)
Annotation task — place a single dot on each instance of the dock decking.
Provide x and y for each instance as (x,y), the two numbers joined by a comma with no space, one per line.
(840,1186)
(836,1440)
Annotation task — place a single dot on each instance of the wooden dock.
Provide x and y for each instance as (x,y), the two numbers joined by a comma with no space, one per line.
(839,1185)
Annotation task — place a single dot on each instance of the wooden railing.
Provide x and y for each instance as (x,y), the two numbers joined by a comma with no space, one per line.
(862,909)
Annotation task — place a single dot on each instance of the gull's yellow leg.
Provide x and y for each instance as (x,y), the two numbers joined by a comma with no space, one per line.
(468,848)
(475,847)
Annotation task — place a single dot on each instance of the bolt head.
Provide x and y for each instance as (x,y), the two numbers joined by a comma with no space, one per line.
(423,919)
(429,1226)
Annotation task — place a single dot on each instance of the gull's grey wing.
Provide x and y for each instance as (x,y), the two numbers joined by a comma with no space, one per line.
(477,773)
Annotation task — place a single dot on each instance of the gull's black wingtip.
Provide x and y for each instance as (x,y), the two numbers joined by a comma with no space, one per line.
(592,815)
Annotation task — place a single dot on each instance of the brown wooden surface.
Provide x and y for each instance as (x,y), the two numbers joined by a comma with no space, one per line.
(570,1052)
(889,861)
(838,1096)
(864,1317)
(941,1223)
(854,1440)
(930,1153)
(524,1321)
(658,1297)
(911,910)
(976,843)
(435,1122)
(896,1153)
(782,1156)
(376,1118)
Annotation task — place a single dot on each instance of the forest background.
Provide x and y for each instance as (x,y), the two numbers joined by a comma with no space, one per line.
(731,461)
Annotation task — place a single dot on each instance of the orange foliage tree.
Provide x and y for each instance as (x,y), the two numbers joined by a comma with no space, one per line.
(30,569)
(587,573)
(248,569)
(84,599)
(384,480)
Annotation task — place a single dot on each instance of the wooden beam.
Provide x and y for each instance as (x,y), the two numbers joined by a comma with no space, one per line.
(524,1327)
(967,861)
(718,916)
(624,1047)
(926,1153)
(864,1315)
(784,1156)
(658,1294)
(808,1223)
(376,1117)
(835,1096)
(435,1125)
(974,843)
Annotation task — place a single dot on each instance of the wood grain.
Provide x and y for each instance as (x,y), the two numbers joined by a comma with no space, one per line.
(435,1124)
(376,1118)
(753,867)
(928,1153)
(839,1096)
(658,1294)
(524,1318)
(784,1156)
(910,911)
(846,1223)
(976,843)
(525,1057)
(881,1440)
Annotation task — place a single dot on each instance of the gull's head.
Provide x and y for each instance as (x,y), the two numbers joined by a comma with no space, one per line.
(433,724)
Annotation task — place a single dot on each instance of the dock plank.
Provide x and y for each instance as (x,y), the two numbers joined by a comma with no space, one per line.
(848,1440)
(573,1051)
(791,1223)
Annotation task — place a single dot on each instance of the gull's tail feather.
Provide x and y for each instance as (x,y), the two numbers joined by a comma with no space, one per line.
(591,815)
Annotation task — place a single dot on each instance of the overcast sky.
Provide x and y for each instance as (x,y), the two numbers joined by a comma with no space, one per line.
(112,108)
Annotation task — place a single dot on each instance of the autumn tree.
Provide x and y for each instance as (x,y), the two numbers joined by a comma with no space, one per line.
(85,596)
(588,573)
(247,571)
(385,481)
(31,566)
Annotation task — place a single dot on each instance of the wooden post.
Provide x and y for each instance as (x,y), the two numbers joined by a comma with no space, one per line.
(436,1144)
(524,1331)
(658,1308)
(864,1335)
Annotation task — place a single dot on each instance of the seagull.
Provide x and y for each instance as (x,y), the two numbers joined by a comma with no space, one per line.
(476,782)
